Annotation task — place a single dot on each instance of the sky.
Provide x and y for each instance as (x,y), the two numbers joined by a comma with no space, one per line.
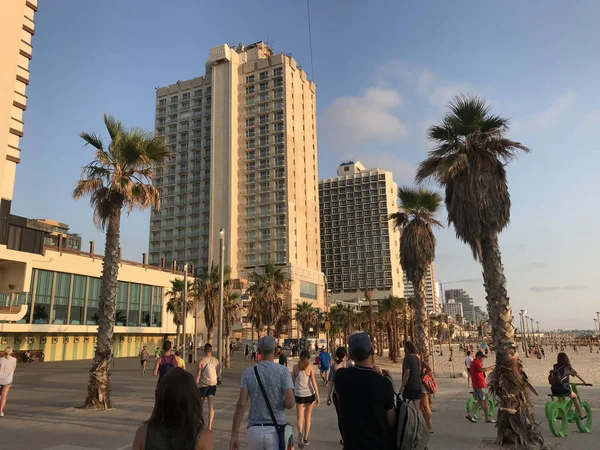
(385,70)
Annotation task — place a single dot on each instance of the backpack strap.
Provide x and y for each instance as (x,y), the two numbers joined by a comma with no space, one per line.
(264,393)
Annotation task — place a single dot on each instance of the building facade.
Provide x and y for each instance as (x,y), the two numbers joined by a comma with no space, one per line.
(360,249)
(57,234)
(243,138)
(453,309)
(433,305)
(16,31)
(461,296)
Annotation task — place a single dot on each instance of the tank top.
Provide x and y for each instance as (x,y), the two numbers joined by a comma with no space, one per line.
(156,439)
(302,386)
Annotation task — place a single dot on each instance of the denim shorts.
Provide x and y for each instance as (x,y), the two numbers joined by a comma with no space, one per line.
(480,394)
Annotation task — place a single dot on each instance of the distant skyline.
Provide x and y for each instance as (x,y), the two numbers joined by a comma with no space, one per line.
(384,75)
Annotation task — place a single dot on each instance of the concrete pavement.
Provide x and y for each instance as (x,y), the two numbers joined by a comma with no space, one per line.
(43,412)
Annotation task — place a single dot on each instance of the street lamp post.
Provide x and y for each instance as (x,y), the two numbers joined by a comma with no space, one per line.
(221,289)
(185,269)
(532,332)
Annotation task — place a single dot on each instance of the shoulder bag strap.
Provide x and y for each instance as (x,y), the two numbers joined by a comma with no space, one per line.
(264,393)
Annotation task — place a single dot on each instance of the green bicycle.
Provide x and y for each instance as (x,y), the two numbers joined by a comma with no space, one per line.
(560,412)
(491,405)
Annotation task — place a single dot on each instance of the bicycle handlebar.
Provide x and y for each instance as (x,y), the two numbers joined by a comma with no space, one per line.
(581,384)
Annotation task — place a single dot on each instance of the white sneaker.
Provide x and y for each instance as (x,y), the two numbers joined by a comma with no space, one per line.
(1,414)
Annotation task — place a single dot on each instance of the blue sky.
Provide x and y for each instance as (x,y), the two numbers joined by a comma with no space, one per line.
(384,71)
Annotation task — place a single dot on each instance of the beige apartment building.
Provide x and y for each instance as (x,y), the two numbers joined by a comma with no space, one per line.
(360,249)
(433,305)
(245,161)
(16,29)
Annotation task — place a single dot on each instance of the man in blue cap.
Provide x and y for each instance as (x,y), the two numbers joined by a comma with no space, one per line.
(366,399)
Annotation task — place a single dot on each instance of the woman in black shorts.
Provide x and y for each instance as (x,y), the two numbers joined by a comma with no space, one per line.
(306,392)
(411,375)
(562,386)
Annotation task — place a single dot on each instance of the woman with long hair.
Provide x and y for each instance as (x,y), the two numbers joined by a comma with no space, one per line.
(425,403)
(561,383)
(176,421)
(306,393)
(411,375)
(338,363)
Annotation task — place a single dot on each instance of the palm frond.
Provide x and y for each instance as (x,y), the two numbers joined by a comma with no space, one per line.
(92,139)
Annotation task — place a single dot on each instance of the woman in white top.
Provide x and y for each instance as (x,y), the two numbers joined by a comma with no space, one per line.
(306,392)
(8,364)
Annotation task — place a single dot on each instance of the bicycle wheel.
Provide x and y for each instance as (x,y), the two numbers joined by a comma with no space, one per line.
(470,403)
(585,425)
(492,407)
(557,419)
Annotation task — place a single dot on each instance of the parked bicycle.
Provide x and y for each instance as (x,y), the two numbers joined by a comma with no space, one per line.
(492,406)
(560,412)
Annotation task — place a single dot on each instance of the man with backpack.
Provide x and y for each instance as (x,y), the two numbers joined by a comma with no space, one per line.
(366,398)
(166,362)
(207,379)
(479,388)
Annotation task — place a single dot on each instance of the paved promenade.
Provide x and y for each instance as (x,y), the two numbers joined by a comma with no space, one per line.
(43,414)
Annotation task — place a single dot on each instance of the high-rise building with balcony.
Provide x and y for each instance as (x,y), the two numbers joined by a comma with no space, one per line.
(453,309)
(430,289)
(243,138)
(16,29)
(360,249)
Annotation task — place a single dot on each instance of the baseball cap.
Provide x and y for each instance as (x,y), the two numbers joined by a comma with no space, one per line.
(478,354)
(359,342)
(267,343)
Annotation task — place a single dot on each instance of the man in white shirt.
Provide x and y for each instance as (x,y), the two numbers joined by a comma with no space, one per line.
(468,361)
(8,364)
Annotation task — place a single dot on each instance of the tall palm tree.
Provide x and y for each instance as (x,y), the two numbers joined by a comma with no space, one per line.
(369,298)
(271,288)
(207,292)
(175,303)
(307,317)
(119,178)
(469,161)
(231,311)
(338,319)
(415,219)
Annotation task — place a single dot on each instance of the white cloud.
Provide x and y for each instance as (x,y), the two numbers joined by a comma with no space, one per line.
(552,115)
(590,121)
(403,171)
(352,121)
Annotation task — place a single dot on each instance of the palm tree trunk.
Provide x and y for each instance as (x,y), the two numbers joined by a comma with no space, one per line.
(421,318)
(177,328)
(227,351)
(405,323)
(209,335)
(98,395)
(506,382)
(390,334)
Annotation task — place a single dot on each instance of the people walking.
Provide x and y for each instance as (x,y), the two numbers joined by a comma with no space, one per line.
(425,402)
(280,356)
(324,363)
(207,378)
(267,404)
(8,365)
(144,358)
(338,363)
(165,362)
(246,352)
(560,382)
(306,393)
(479,388)
(180,360)
(157,353)
(412,386)
(254,348)
(468,361)
(366,400)
(176,421)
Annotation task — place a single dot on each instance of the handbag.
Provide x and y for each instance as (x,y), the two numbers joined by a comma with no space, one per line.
(284,432)
(430,384)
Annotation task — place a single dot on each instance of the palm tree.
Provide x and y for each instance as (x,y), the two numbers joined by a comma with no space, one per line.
(270,289)
(282,325)
(207,291)
(119,178)
(338,319)
(469,161)
(368,298)
(307,317)
(417,249)
(231,310)
(175,303)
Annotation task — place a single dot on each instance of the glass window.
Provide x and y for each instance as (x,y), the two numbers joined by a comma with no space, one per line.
(133,313)
(41,308)
(78,300)
(60,308)
(157,307)
(122,292)
(93,301)
(308,290)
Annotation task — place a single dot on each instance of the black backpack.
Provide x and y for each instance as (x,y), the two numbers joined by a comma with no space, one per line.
(554,377)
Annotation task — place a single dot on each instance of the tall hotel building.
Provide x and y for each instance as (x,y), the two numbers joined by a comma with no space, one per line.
(360,249)
(431,294)
(244,140)
(16,29)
